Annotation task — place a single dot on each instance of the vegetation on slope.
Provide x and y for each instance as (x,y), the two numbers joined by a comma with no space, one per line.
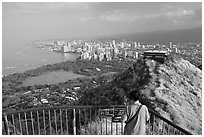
(15,95)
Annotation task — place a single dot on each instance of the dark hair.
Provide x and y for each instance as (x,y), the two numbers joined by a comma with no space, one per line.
(134,95)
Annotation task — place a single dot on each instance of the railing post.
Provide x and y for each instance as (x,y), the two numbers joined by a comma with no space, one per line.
(74,121)
(6,126)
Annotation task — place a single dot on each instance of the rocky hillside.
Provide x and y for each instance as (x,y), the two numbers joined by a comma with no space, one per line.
(173,89)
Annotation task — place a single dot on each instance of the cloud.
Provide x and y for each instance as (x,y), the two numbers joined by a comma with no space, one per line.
(178,22)
(119,16)
(168,11)
(86,19)
(175,11)
(197,14)
(185,15)
(180,13)
(166,7)
(152,16)
(177,16)
(20,8)
(78,5)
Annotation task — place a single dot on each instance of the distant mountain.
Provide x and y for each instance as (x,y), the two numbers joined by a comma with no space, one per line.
(164,36)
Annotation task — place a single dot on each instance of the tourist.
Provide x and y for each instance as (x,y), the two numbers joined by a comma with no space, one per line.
(136,116)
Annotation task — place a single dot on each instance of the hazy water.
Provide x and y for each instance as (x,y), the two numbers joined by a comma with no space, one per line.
(20,56)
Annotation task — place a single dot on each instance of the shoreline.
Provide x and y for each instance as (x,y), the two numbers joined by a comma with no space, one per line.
(22,56)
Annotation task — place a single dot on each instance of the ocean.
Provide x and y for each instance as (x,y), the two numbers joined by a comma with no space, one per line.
(19,56)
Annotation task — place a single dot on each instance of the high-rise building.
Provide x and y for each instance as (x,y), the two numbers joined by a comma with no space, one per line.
(69,46)
(138,44)
(115,52)
(136,54)
(175,49)
(85,55)
(122,45)
(95,56)
(114,44)
(124,53)
(170,45)
(101,56)
(135,44)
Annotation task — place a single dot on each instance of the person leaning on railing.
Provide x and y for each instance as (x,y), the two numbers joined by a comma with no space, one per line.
(136,116)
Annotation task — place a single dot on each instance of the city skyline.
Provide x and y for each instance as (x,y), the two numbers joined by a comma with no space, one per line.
(50,20)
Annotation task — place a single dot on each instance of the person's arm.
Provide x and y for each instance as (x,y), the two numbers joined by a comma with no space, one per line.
(147,114)
(142,120)
(124,116)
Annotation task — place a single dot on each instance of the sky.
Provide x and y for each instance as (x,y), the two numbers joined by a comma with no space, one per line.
(52,20)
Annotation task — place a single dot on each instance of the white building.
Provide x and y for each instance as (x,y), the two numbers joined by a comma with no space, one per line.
(101,57)
(124,53)
(95,56)
(78,50)
(66,48)
(114,44)
(175,49)
(122,45)
(100,50)
(115,52)
(86,55)
(136,54)
(108,56)
(130,54)
(170,45)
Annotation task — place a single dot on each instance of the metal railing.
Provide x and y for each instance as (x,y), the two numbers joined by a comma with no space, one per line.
(80,120)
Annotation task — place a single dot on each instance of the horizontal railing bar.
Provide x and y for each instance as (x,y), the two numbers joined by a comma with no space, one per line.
(59,107)
(171,123)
